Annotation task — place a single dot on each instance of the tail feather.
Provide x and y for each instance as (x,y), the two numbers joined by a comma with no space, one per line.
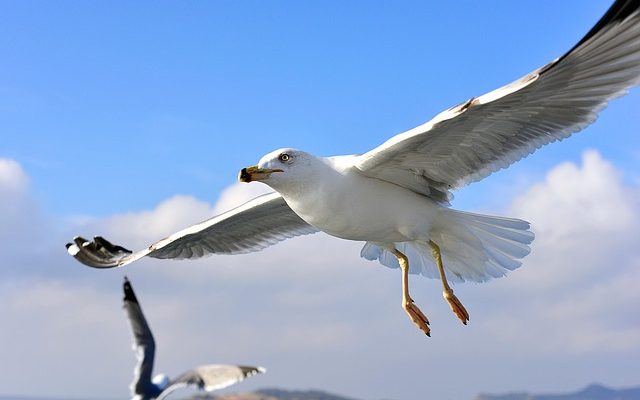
(474,247)
(522,235)
(504,222)
(502,259)
(503,243)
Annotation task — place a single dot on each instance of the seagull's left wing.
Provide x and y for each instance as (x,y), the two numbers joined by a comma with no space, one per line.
(211,377)
(482,135)
(143,343)
(256,224)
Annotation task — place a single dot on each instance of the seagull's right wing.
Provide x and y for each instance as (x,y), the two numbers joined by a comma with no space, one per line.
(256,224)
(211,377)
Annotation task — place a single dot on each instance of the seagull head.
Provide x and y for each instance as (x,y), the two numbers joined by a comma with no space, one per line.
(279,168)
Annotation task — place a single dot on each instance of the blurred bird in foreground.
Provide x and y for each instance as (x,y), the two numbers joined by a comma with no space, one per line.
(143,387)
(396,196)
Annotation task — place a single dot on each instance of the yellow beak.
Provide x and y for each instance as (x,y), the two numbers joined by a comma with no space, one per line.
(254,173)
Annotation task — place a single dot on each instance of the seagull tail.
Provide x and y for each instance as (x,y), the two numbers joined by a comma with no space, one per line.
(475,247)
(479,247)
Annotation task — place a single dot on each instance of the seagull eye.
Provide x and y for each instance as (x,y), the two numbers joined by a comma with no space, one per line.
(284,157)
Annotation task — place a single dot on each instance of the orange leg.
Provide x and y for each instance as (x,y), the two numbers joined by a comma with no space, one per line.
(447,293)
(408,305)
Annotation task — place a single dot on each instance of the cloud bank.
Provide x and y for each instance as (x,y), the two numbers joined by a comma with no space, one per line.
(316,315)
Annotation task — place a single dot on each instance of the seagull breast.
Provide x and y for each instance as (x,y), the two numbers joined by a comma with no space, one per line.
(342,202)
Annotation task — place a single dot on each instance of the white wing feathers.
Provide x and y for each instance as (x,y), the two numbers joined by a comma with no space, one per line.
(472,140)
(212,377)
(257,224)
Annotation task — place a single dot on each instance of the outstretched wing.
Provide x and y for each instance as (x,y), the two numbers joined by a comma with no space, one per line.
(143,343)
(482,135)
(258,223)
(211,377)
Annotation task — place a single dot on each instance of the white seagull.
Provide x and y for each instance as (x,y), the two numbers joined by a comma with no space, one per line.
(396,196)
(205,377)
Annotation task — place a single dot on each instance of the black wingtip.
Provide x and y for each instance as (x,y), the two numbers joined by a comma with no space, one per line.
(112,248)
(618,12)
(129,295)
(98,253)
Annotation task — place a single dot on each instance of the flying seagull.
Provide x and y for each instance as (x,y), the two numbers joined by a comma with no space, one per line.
(396,196)
(143,387)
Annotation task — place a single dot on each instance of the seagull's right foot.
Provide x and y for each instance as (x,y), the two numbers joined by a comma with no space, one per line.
(456,306)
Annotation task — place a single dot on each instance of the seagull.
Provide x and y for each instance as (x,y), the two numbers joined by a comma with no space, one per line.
(143,387)
(396,197)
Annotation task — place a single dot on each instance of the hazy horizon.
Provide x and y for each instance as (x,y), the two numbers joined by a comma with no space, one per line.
(179,395)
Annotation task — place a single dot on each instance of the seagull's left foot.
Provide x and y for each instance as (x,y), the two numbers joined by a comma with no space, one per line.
(416,315)
(455,304)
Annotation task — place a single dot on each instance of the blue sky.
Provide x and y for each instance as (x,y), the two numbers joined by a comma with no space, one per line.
(165,98)
(112,108)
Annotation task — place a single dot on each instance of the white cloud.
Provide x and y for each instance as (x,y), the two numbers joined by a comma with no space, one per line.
(50,335)
(139,229)
(13,193)
(23,228)
(238,194)
(13,179)
(312,301)
(575,200)
(579,287)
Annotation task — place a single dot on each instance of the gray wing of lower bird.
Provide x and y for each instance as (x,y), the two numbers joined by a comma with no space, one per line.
(143,343)
(211,377)
(256,224)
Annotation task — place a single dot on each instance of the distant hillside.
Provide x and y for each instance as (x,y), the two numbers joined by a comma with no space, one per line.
(274,394)
(592,392)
